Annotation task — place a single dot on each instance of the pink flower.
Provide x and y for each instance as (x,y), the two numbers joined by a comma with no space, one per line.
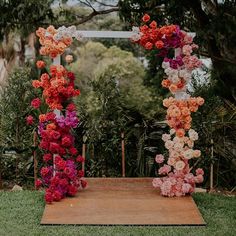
(38,183)
(166,188)
(186,188)
(179,165)
(159,158)
(157,182)
(199,179)
(35,103)
(29,120)
(199,171)
(146,18)
(187,50)
(164,170)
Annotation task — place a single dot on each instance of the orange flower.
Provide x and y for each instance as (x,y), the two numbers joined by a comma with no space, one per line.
(36,84)
(180,133)
(40,64)
(159,44)
(42,118)
(153,24)
(173,88)
(165,83)
(146,18)
(51,126)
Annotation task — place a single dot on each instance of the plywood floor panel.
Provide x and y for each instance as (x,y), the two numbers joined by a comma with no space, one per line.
(122,201)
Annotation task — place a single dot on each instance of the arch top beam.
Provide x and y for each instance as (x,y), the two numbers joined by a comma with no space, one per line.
(106,34)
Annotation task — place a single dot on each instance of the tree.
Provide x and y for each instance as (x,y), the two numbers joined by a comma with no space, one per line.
(213,22)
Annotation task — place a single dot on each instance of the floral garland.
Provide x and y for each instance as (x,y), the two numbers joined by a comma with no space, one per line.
(61,174)
(176,177)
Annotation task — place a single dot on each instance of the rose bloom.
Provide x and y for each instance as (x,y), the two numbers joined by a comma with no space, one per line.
(188,154)
(165,83)
(173,88)
(29,120)
(180,133)
(146,18)
(179,165)
(35,103)
(148,45)
(40,64)
(164,170)
(196,153)
(187,50)
(159,158)
(165,137)
(159,44)
(169,144)
(153,24)
(69,58)
(157,182)
(171,161)
(199,179)
(199,171)
(36,84)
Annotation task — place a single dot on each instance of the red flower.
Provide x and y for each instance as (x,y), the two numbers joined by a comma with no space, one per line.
(38,183)
(81,173)
(35,103)
(44,145)
(71,75)
(61,165)
(29,120)
(72,190)
(153,24)
(80,159)
(54,147)
(44,171)
(73,151)
(40,64)
(66,141)
(50,116)
(71,107)
(48,197)
(55,134)
(83,183)
(47,157)
(159,44)
(146,18)
(57,196)
(148,46)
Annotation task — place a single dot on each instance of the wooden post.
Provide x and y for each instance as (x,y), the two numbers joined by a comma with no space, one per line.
(35,160)
(211,168)
(83,155)
(123,153)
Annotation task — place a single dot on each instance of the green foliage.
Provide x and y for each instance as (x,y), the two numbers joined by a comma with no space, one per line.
(15,135)
(24,219)
(114,100)
(15,15)
(214,23)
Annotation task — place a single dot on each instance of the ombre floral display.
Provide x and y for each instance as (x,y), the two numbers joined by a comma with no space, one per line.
(61,174)
(175,174)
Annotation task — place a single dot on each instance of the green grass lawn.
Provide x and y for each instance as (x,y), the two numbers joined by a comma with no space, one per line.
(20,214)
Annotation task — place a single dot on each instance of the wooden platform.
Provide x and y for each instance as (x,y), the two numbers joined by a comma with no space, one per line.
(122,201)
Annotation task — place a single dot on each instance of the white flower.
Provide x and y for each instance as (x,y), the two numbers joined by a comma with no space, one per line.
(165,137)
(179,165)
(172,131)
(169,144)
(173,78)
(193,135)
(165,64)
(188,154)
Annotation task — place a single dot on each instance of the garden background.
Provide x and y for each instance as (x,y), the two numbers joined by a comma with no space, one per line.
(120,86)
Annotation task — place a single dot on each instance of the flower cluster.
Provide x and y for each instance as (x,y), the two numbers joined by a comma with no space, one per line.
(175,178)
(57,87)
(61,174)
(55,41)
(179,113)
(178,69)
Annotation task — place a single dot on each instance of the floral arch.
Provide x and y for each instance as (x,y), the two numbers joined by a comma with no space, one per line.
(62,174)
